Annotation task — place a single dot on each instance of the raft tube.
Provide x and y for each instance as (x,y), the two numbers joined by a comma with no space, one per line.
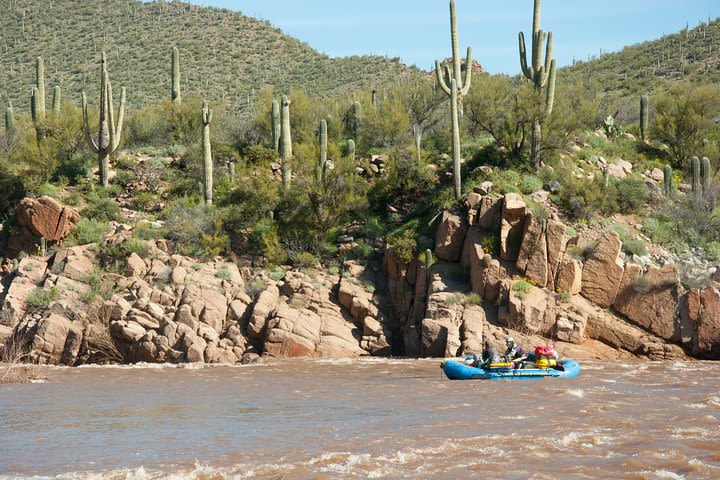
(455,370)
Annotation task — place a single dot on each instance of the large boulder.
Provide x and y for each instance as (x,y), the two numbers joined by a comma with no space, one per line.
(264,305)
(472,251)
(527,312)
(603,271)
(569,276)
(47,218)
(555,234)
(471,330)
(512,226)
(292,333)
(57,340)
(449,237)
(532,259)
(651,300)
(705,311)
(490,213)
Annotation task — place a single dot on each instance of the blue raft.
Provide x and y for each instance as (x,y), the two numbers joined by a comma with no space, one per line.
(455,370)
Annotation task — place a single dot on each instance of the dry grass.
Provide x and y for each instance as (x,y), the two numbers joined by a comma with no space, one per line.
(99,344)
(12,368)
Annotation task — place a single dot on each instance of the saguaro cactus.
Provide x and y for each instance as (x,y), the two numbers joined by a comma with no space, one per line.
(455,87)
(175,89)
(275,119)
(695,173)
(57,98)
(207,115)
(322,161)
(667,181)
(37,100)
(351,149)
(417,133)
(354,122)
(542,76)
(285,143)
(9,119)
(109,131)
(644,115)
(705,173)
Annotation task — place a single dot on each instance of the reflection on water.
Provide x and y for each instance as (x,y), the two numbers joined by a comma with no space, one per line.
(361,419)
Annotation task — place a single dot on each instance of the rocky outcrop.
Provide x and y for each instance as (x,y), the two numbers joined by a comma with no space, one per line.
(512,225)
(603,271)
(449,237)
(704,311)
(651,299)
(38,218)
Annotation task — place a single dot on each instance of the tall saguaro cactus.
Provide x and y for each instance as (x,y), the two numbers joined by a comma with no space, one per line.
(455,87)
(275,122)
(705,173)
(37,100)
(285,143)
(322,161)
(109,130)
(175,91)
(667,181)
(207,115)
(696,179)
(351,149)
(644,115)
(417,133)
(57,98)
(9,119)
(541,74)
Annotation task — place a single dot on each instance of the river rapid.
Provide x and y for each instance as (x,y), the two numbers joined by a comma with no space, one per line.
(322,419)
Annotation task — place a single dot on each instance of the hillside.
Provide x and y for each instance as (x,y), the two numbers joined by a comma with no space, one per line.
(692,54)
(224,55)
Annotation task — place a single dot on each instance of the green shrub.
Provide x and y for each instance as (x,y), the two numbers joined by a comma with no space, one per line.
(101,207)
(89,231)
(48,189)
(305,260)
(264,239)
(224,274)
(277,273)
(531,184)
(255,287)
(195,227)
(712,251)
(405,245)
(473,299)
(522,289)
(40,299)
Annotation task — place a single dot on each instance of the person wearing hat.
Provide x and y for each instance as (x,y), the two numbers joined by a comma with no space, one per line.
(489,354)
(514,352)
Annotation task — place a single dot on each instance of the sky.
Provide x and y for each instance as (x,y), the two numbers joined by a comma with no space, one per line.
(418,31)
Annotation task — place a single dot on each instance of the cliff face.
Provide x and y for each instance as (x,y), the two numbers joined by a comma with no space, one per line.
(542,283)
(498,271)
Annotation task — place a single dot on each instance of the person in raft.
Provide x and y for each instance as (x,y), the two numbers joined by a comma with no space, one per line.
(489,354)
(514,352)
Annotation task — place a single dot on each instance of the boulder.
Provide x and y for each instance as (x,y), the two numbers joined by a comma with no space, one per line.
(135,266)
(489,213)
(555,235)
(527,313)
(57,340)
(264,305)
(472,251)
(532,259)
(471,330)
(450,237)
(433,338)
(292,333)
(651,300)
(603,271)
(46,218)
(705,310)
(569,276)
(512,226)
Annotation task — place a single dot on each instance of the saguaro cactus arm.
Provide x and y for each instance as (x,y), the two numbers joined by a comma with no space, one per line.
(175,73)
(88,135)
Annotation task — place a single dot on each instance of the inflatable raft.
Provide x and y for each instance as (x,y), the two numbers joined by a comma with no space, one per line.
(455,370)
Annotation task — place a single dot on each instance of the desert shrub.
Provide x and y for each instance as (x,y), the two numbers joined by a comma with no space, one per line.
(264,239)
(259,155)
(223,274)
(304,260)
(522,289)
(473,299)
(631,244)
(712,251)
(145,200)
(48,189)
(40,298)
(404,244)
(194,227)
(89,231)
(531,184)
(101,207)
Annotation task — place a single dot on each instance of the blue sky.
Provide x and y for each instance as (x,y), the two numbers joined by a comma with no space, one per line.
(418,31)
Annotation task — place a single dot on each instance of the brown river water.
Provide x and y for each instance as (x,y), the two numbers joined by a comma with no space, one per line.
(315,419)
